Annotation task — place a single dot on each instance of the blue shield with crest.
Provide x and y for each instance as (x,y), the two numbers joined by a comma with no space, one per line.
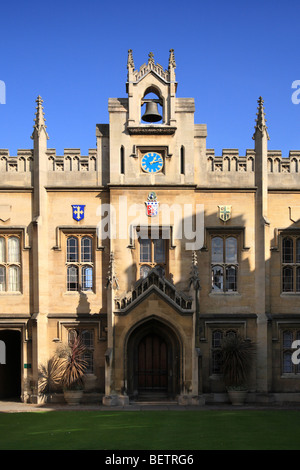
(78,212)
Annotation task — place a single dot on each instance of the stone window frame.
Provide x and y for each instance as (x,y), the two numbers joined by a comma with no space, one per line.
(79,263)
(293,265)
(215,347)
(225,265)
(151,264)
(6,264)
(288,369)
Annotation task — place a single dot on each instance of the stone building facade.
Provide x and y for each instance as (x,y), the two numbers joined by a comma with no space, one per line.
(152,249)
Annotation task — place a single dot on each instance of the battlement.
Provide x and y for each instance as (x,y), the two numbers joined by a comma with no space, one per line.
(230,160)
(72,160)
(279,164)
(20,163)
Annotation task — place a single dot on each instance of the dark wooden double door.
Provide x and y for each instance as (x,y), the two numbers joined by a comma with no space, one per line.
(152,371)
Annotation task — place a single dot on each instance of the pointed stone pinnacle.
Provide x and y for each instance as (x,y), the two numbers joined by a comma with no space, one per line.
(261,120)
(130,63)
(111,278)
(39,121)
(172,62)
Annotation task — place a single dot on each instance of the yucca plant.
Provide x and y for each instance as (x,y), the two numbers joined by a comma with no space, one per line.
(50,375)
(73,365)
(236,358)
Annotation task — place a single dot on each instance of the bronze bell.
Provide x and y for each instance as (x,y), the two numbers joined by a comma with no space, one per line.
(151,113)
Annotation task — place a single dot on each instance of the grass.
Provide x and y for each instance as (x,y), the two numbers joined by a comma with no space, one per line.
(151,430)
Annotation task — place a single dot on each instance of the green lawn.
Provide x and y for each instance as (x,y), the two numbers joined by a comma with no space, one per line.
(150,430)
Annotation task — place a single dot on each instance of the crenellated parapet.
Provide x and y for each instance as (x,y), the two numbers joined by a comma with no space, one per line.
(72,160)
(279,164)
(22,162)
(230,161)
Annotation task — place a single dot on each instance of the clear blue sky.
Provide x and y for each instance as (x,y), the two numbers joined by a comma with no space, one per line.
(74,54)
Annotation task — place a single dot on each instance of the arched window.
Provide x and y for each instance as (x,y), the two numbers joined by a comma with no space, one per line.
(287,279)
(217,278)
(2,250)
(287,339)
(287,250)
(10,264)
(86,249)
(217,250)
(153,252)
(14,278)
(230,279)
(2,279)
(13,250)
(224,261)
(159,250)
(122,161)
(291,263)
(287,362)
(80,265)
(72,278)
(231,250)
(231,333)
(87,278)
(182,160)
(217,337)
(72,250)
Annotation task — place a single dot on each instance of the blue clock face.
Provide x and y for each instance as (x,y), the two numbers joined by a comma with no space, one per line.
(152,162)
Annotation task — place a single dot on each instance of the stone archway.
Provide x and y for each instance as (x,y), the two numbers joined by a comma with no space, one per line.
(153,361)
(10,371)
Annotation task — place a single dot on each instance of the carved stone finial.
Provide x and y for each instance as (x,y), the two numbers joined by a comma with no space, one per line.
(194,275)
(261,120)
(39,121)
(151,58)
(112,280)
(172,63)
(130,63)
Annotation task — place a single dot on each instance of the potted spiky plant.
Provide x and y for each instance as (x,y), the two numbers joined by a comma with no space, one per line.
(49,377)
(236,358)
(73,369)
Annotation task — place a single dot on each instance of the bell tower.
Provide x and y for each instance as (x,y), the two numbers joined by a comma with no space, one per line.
(151,131)
(153,88)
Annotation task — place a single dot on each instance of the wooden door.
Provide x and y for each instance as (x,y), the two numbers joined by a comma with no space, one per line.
(152,364)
